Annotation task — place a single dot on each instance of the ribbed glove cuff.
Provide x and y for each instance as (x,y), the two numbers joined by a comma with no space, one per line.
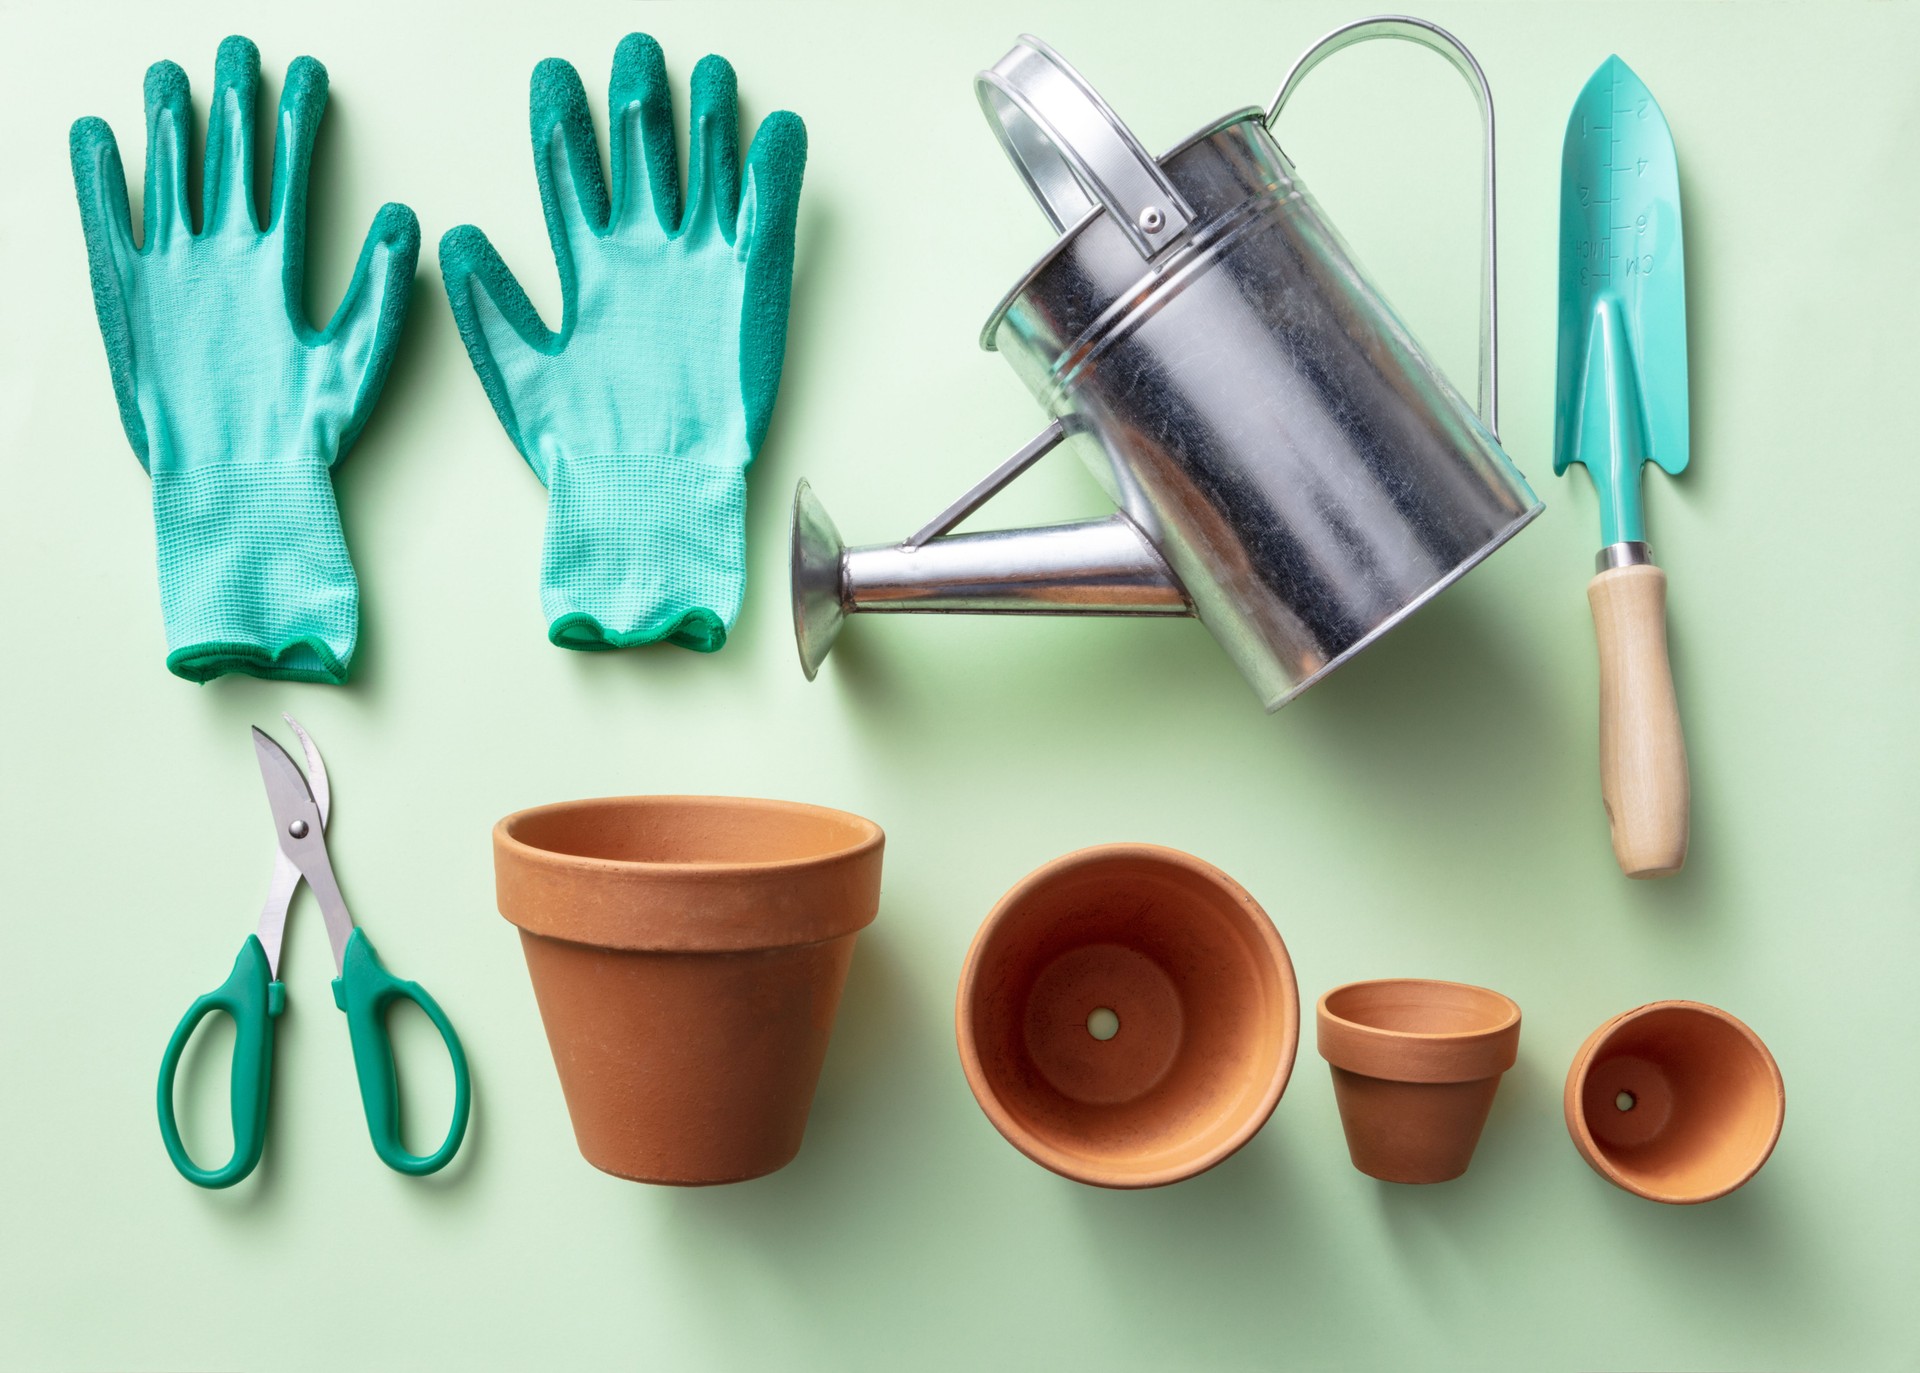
(254,574)
(642,548)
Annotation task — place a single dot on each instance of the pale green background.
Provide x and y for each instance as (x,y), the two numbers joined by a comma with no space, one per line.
(1432,810)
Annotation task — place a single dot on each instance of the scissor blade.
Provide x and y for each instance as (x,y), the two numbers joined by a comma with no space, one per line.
(273,914)
(302,836)
(286,877)
(317,781)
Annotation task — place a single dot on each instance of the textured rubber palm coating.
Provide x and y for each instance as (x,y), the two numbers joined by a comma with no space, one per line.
(235,405)
(643,411)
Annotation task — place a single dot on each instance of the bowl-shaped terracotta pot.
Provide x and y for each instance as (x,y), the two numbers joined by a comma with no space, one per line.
(1415,1066)
(687,953)
(1675,1101)
(1127,1016)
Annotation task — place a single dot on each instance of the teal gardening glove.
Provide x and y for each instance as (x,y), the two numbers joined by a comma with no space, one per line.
(642,413)
(234,404)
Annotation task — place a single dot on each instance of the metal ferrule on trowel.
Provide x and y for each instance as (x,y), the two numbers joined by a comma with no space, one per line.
(1086,567)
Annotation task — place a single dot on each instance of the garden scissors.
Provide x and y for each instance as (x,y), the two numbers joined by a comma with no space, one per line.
(253,994)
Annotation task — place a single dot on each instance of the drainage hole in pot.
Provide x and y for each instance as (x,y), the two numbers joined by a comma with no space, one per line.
(1624,1101)
(1103,1023)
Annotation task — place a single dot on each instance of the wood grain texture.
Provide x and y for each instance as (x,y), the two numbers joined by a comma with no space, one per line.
(1643,753)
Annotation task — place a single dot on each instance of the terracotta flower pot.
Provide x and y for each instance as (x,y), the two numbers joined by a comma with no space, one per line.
(1127,1016)
(1415,1066)
(687,953)
(1675,1101)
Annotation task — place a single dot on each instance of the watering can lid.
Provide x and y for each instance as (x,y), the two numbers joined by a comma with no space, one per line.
(1074,152)
(1092,212)
(1079,159)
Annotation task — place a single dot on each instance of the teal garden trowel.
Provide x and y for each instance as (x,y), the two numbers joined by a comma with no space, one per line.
(1622,401)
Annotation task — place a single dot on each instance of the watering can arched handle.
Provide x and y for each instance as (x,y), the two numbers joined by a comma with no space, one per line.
(1074,152)
(1435,39)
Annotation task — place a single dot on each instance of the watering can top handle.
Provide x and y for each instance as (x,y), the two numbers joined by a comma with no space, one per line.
(1073,151)
(1435,39)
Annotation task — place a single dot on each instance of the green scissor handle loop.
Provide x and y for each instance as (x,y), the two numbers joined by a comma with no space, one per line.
(364,990)
(252,998)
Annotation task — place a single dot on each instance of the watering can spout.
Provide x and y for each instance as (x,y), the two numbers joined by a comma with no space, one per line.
(1087,567)
(819,590)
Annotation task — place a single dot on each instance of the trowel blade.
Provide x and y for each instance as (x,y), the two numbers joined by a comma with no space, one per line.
(1622,382)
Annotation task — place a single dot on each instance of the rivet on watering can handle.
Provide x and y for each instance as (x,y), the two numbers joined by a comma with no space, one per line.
(1435,39)
(1073,151)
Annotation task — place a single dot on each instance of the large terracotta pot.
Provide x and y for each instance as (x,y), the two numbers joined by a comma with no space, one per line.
(687,953)
(1675,1101)
(1127,1016)
(1415,1066)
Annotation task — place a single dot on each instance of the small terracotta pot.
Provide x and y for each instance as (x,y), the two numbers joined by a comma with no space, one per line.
(687,953)
(1415,1066)
(1675,1101)
(1179,969)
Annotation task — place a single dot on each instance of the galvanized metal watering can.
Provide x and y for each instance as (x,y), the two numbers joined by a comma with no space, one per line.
(1285,461)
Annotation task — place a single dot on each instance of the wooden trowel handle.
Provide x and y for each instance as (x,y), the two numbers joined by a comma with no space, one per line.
(1643,755)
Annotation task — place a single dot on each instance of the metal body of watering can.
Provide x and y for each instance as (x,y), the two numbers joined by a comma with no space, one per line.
(1286,463)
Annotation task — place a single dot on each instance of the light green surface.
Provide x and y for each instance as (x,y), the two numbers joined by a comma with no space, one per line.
(1431,810)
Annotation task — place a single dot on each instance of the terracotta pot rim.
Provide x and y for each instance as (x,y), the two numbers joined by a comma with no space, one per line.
(1059,1161)
(1419,1055)
(829,888)
(1590,1148)
(1512,1017)
(1507,1022)
(871,837)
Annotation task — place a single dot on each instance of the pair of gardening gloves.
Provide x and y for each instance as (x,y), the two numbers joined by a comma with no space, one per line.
(641,414)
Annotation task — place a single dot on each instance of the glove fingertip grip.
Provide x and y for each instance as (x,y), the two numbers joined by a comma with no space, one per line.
(399,227)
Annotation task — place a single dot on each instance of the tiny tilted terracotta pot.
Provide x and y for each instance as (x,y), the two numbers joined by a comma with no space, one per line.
(687,953)
(1127,1016)
(1675,1101)
(1415,1066)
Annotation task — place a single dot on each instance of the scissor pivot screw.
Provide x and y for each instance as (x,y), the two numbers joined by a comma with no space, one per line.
(298,829)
